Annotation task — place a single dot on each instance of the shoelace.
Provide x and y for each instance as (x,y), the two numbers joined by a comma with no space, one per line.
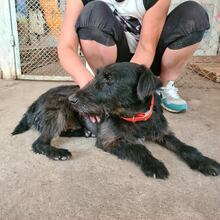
(171,90)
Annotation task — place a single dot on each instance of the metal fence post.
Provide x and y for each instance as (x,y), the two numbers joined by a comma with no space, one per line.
(7,42)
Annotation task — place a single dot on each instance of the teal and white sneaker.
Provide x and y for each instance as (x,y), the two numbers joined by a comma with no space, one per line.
(170,99)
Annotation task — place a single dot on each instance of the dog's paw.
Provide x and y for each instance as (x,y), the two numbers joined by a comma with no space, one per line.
(155,169)
(53,153)
(208,167)
(88,133)
(59,154)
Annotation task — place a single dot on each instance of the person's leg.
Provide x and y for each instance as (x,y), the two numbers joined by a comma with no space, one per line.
(98,55)
(183,30)
(173,62)
(101,36)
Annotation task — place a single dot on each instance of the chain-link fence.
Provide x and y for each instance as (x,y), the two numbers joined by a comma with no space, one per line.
(39,22)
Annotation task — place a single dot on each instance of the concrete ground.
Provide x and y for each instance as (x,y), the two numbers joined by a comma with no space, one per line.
(96,185)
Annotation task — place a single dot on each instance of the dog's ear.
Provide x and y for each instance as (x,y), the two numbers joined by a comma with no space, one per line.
(147,83)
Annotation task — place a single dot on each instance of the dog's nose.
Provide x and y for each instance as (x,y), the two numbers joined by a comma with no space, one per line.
(73,99)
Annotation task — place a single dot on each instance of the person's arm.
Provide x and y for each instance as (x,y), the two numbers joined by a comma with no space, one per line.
(152,26)
(68,45)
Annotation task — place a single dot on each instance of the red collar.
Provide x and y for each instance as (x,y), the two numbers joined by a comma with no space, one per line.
(143,116)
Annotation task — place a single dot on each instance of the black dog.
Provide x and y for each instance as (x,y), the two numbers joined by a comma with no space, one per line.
(53,115)
(118,94)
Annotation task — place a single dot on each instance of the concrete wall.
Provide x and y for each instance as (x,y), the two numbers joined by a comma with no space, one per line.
(7,62)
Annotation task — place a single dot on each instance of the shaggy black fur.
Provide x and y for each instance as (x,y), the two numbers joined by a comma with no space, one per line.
(121,89)
(52,115)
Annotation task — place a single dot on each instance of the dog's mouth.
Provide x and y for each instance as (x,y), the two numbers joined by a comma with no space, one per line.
(86,108)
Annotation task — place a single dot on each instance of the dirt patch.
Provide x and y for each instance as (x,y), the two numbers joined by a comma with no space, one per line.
(208,67)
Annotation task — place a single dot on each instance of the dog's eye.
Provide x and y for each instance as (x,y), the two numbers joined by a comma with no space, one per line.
(107,78)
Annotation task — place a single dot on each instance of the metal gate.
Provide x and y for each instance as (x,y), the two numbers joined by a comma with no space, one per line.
(38,27)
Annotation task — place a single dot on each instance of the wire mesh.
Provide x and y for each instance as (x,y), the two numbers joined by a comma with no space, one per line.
(39,22)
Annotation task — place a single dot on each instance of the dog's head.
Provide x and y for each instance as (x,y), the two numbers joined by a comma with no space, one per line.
(121,88)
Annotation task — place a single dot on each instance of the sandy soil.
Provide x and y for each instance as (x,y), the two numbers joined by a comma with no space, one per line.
(96,185)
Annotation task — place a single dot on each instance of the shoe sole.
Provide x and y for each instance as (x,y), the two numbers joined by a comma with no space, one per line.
(171,110)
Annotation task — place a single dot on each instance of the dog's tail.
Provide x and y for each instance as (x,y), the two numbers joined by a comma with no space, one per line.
(22,126)
(26,122)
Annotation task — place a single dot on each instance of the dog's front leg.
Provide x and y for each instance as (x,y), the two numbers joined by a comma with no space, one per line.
(191,156)
(42,146)
(138,154)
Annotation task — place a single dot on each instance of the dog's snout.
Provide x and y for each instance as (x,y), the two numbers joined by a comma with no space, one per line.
(73,99)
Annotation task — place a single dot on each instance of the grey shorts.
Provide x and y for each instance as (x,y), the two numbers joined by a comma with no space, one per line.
(184,26)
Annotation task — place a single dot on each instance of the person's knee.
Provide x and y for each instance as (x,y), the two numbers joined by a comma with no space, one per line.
(95,15)
(194,17)
(96,22)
